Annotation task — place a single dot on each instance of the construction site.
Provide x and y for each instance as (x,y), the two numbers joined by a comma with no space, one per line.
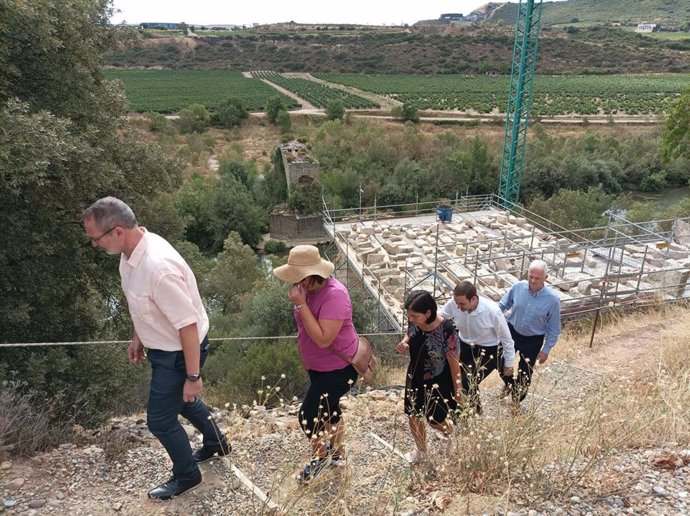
(392,250)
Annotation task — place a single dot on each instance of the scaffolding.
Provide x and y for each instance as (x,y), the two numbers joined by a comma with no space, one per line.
(390,250)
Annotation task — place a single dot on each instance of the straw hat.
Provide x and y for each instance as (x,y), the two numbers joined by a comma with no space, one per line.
(303,261)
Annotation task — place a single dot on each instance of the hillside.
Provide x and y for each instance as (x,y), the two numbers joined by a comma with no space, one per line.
(605,431)
(667,13)
(431,50)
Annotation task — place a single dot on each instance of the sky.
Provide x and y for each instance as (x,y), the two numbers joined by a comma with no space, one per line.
(247,12)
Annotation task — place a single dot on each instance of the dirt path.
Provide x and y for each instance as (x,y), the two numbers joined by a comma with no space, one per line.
(386,103)
(111,473)
(305,105)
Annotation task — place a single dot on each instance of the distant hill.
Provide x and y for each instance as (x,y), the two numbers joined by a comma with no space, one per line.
(667,13)
(432,49)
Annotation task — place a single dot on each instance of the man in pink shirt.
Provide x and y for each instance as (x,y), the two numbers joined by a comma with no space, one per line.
(171,323)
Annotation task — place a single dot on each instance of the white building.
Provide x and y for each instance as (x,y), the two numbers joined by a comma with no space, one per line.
(647,27)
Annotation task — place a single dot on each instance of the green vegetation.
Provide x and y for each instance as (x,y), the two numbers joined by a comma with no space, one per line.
(335,110)
(673,13)
(230,113)
(64,144)
(169,91)
(418,50)
(553,95)
(675,142)
(316,93)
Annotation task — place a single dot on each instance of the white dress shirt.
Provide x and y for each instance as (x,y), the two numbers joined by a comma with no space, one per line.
(483,326)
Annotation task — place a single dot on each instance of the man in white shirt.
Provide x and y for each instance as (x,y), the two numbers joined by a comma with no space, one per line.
(484,338)
(170,321)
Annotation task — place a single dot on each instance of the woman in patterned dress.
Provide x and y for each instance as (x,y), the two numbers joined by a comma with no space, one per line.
(433,372)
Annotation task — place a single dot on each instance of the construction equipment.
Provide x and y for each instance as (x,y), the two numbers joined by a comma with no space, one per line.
(519,100)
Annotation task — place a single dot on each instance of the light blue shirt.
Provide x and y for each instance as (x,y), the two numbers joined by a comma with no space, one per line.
(534,313)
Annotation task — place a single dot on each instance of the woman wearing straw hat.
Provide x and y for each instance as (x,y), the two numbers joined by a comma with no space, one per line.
(323,312)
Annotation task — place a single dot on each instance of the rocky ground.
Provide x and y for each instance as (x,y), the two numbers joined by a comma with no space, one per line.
(110,472)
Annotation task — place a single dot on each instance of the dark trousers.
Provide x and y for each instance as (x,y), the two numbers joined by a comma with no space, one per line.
(476,363)
(321,404)
(165,404)
(528,347)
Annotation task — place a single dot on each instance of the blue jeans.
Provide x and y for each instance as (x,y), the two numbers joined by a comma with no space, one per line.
(165,403)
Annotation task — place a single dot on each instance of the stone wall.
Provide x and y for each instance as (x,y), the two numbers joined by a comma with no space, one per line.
(298,164)
(290,227)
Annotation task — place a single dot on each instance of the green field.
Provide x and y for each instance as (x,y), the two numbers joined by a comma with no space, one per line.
(168,91)
(316,93)
(553,95)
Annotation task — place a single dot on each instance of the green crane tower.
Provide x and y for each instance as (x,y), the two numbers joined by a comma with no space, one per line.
(519,100)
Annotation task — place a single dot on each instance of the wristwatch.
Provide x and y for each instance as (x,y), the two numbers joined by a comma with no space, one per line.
(193,377)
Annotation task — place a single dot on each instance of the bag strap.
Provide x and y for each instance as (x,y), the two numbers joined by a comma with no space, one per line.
(343,355)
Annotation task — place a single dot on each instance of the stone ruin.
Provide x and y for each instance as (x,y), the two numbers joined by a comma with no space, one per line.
(494,248)
(300,166)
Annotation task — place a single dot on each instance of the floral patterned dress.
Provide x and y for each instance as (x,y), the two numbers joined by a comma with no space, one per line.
(429,389)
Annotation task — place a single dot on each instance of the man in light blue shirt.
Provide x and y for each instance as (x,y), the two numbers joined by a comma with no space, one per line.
(535,324)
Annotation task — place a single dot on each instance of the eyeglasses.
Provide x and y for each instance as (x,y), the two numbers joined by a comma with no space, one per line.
(93,240)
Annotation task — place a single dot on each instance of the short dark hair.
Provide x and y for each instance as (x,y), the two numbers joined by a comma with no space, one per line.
(421,301)
(465,288)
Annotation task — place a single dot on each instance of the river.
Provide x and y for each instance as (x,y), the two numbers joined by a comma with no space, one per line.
(664,198)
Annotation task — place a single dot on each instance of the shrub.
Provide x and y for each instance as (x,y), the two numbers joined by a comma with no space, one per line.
(274,247)
(158,123)
(335,110)
(26,425)
(305,200)
(274,106)
(230,113)
(242,372)
(284,122)
(193,119)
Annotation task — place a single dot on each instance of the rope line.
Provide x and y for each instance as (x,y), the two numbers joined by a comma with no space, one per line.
(213,339)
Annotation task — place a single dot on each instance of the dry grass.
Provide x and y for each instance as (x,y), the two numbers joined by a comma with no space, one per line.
(563,440)
(641,403)
(27,423)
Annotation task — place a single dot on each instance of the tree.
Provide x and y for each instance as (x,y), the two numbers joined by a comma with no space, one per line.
(216,206)
(284,121)
(230,113)
(335,110)
(63,145)
(274,105)
(407,113)
(193,119)
(158,123)
(233,276)
(305,199)
(675,141)
(274,184)
(575,209)
(64,142)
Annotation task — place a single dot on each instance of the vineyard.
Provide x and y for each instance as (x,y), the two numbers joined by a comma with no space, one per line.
(316,93)
(169,91)
(553,95)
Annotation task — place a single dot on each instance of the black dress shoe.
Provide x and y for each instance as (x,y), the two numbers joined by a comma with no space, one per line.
(174,487)
(206,453)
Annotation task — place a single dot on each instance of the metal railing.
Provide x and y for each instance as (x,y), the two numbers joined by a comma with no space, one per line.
(616,274)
